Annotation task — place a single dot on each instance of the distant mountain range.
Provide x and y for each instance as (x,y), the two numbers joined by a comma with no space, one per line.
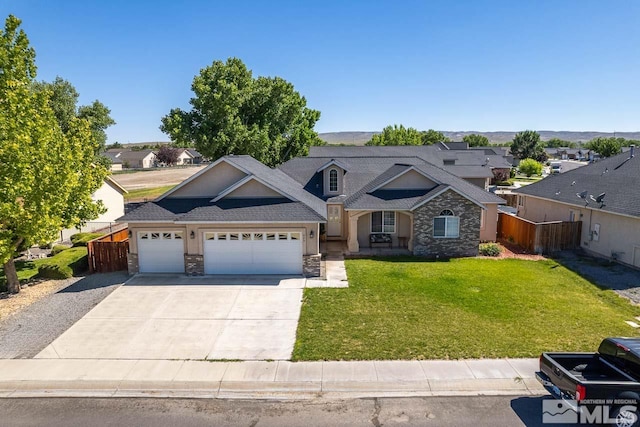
(498,137)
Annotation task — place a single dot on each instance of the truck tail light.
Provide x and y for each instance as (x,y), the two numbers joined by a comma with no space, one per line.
(581,392)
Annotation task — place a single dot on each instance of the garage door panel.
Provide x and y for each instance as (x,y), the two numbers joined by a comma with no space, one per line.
(253,253)
(161,252)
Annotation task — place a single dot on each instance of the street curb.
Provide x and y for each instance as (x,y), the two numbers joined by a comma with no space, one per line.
(281,380)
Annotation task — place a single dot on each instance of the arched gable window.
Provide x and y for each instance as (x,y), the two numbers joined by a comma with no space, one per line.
(446,225)
(333,181)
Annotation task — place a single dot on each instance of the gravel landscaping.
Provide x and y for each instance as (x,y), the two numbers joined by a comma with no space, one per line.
(25,333)
(625,281)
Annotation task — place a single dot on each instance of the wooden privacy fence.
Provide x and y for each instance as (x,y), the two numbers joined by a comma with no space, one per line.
(109,252)
(539,237)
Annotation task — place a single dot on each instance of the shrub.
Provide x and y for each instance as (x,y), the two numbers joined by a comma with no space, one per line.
(81,239)
(65,264)
(55,271)
(530,167)
(490,249)
(507,183)
(57,249)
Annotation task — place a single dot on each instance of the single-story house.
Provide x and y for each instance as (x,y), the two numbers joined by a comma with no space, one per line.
(133,159)
(116,162)
(184,157)
(239,216)
(197,157)
(603,195)
(112,196)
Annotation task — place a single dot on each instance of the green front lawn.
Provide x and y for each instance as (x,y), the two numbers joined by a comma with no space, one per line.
(406,308)
(146,193)
(73,258)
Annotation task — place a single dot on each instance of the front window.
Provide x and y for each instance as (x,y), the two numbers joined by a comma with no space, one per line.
(383,222)
(447,225)
(333,181)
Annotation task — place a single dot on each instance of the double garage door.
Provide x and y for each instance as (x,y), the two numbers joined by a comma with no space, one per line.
(238,252)
(253,253)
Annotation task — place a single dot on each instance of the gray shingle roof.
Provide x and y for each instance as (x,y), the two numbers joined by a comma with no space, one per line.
(253,210)
(302,206)
(148,212)
(365,174)
(225,210)
(618,177)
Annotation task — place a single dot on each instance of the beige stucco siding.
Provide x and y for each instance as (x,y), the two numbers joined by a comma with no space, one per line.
(112,199)
(411,180)
(618,234)
(489,227)
(211,182)
(253,189)
(478,182)
(195,246)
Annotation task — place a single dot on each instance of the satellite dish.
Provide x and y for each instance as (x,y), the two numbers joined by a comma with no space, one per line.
(600,197)
(582,195)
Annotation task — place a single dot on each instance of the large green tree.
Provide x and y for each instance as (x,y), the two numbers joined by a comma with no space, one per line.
(63,100)
(396,135)
(475,140)
(431,137)
(47,176)
(527,145)
(234,113)
(557,143)
(606,147)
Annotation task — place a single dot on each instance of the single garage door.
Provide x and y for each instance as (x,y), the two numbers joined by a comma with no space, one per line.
(251,252)
(160,252)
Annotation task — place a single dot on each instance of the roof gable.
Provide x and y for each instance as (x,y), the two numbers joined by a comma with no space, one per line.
(208,182)
(409,179)
(251,187)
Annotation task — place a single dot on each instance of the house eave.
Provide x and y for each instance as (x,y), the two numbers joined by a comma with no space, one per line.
(580,206)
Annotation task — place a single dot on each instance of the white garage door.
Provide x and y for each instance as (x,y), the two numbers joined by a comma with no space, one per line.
(160,252)
(253,253)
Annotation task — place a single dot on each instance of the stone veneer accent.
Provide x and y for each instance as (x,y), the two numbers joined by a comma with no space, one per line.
(132,263)
(311,265)
(194,265)
(424,244)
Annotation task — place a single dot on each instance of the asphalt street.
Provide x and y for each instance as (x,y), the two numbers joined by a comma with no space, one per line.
(489,411)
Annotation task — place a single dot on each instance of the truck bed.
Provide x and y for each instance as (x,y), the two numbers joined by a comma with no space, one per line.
(587,367)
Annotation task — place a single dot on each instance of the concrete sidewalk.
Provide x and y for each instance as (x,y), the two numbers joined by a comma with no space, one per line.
(266,380)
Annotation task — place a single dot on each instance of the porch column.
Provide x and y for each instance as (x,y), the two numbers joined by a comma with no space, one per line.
(410,243)
(352,242)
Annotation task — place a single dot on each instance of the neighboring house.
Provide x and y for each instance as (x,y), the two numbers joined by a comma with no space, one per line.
(116,163)
(239,216)
(197,157)
(184,157)
(566,153)
(603,195)
(112,196)
(133,159)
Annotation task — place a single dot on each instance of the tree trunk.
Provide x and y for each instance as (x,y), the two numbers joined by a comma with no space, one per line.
(13,284)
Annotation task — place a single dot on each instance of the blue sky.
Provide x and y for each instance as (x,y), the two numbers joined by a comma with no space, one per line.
(447,65)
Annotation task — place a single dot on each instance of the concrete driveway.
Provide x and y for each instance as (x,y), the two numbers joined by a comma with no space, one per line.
(143,320)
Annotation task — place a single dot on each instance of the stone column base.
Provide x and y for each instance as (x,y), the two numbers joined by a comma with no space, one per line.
(311,265)
(132,263)
(194,265)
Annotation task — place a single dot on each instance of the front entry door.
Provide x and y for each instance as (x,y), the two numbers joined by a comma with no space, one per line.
(334,223)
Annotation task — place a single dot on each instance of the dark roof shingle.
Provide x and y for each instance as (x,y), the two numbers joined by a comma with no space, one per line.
(618,177)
